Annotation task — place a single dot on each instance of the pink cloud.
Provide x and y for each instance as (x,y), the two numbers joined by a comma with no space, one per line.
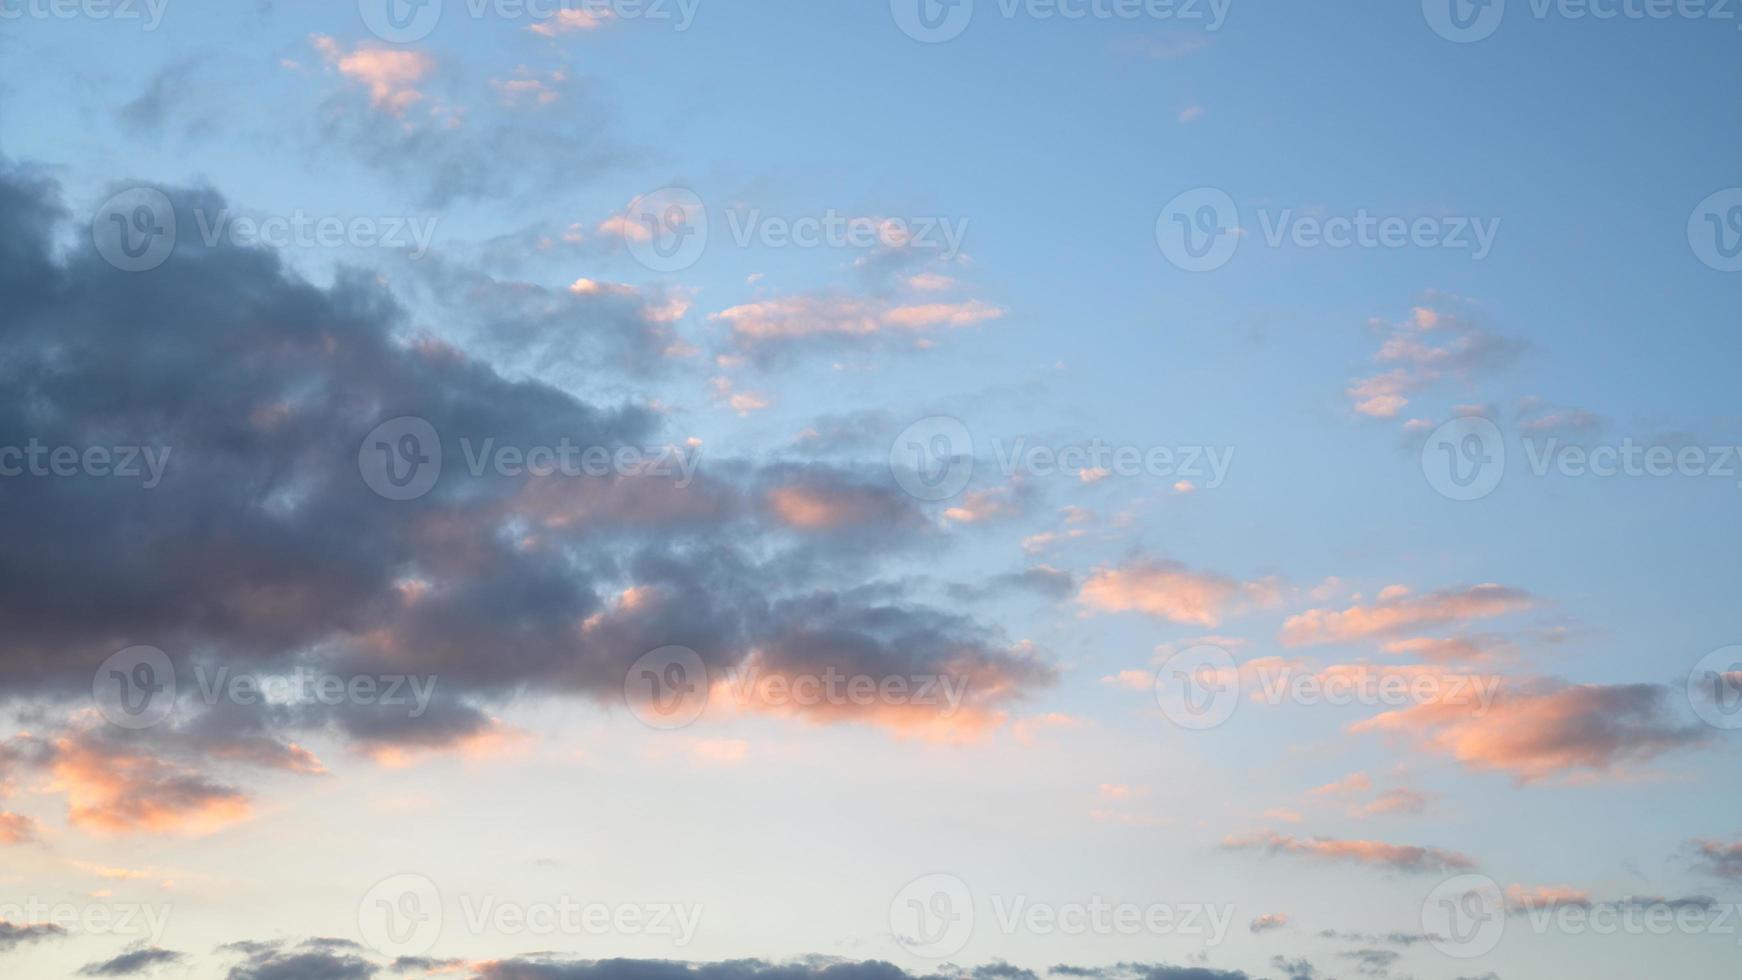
(1167,590)
(1400,857)
(390,74)
(1396,611)
(1535,730)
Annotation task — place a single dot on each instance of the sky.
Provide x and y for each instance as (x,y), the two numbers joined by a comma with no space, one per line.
(1006,489)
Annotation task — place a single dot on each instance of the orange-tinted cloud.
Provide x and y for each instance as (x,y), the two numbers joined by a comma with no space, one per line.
(115,790)
(1401,857)
(1397,611)
(1167,590)
(1535,730)
(391,74)
(16,828)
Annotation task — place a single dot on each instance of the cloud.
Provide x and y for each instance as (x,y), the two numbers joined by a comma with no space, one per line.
(114,789)
(1538,729)
(1722,859)
(770,328)
(133,962)
(1269,922)
(1398,857)
(391,75)
(1430,346)
(12,935)
(265,386)
(1398,611)
(1393,801)
(985,506)
(16,828)
(567,20)
(816,499)
(1167,590)
(312,960)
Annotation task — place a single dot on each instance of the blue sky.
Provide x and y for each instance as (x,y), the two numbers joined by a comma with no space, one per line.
(1596,151)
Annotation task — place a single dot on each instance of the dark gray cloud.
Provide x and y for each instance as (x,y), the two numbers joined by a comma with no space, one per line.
(312,960)
(1373,962)
(1041,580)
(12,934)
(264,549)
(815,969)
(133,962)
(1149,971)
